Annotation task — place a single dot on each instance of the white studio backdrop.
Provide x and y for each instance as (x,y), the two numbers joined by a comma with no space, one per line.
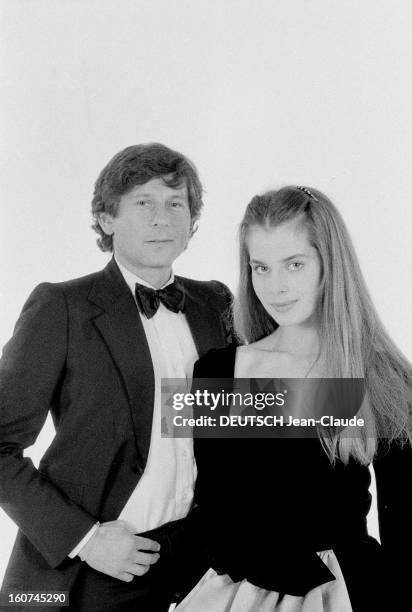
(258,94)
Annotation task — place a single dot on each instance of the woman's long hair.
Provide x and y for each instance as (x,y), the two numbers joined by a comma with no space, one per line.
(353,340)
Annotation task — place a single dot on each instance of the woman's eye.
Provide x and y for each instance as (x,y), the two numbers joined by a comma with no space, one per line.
(295,265)
(176,204)
(142,202)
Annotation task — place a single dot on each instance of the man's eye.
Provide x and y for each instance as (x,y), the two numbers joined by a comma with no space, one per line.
(295,265)
(142,202)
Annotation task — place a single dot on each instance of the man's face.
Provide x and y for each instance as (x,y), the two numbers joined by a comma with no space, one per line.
(151,228)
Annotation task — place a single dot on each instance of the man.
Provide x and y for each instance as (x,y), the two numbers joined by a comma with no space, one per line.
(92,351)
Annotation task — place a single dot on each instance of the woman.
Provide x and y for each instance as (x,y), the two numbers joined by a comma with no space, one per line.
(284,520)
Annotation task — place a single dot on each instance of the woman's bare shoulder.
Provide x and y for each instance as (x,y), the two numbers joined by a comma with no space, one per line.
(259,359)
(261,348)
(260,345)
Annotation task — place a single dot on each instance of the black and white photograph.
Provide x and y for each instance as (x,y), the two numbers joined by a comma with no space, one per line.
(196,192)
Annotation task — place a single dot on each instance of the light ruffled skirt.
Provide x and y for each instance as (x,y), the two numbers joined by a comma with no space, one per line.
(218,593)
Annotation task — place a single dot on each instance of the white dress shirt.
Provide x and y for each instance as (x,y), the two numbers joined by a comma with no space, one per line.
(165,491)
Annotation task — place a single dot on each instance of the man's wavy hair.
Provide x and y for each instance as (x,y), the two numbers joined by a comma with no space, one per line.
(136,165)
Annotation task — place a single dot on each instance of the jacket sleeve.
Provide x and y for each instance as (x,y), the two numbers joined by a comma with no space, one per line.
(393,472)
(32,369)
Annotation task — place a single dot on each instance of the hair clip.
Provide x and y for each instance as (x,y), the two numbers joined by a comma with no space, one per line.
(309,193)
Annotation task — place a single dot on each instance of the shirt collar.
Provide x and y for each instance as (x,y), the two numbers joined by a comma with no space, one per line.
(131,278)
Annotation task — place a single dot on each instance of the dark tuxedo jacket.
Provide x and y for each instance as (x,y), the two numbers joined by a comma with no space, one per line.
(80,352)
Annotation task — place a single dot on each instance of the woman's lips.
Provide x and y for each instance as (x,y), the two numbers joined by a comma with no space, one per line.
(283,306)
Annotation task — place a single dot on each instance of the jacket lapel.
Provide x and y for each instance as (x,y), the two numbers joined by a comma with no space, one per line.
(205,322)
(121,329)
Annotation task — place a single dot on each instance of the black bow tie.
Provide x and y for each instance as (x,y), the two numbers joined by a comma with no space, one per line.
(148,300)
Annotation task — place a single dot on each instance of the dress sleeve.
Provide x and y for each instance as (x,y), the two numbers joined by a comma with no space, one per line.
(393,471)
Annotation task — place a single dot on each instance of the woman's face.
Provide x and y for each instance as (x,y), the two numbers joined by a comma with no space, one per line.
(286,271)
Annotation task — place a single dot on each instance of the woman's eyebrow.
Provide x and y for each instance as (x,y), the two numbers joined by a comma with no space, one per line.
(294,256)
(286,259)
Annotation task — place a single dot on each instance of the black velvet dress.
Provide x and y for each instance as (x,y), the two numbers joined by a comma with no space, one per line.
(266,506)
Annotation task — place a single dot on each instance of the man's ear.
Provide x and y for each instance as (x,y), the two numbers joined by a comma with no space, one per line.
(106,223)
(193,229)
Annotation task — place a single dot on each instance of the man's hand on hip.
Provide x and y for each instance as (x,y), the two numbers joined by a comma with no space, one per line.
(114,550)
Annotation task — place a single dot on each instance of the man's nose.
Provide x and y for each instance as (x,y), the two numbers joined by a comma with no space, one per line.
(160,215)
